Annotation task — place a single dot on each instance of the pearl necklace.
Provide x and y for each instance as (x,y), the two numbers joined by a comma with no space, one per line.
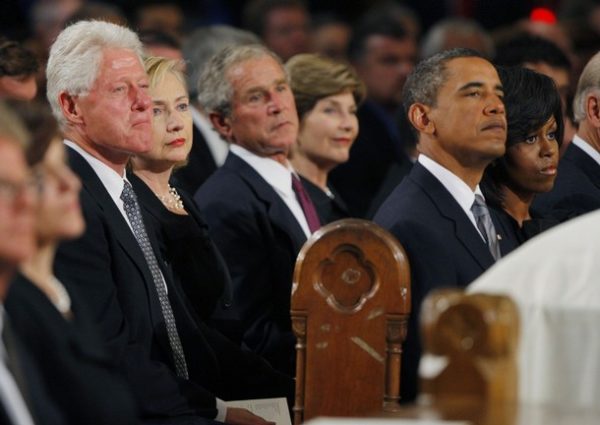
(61,301)
(171,200)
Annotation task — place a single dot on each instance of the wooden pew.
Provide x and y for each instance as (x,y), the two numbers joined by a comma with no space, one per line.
(349,307)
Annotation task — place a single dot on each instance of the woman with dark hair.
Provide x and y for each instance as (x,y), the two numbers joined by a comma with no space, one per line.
(535,129)
(327,94)
(45,313)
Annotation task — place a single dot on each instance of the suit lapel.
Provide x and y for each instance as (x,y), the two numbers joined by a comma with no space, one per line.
(279,214)
(94,187)
(447,207)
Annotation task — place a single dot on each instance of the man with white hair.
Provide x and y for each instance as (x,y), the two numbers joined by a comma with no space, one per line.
(176,365)
(577,186)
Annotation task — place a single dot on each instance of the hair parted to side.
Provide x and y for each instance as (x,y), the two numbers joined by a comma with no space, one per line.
(589,81)
(424,82)
(75,58)
(215,92)
(314,77)
(158,68)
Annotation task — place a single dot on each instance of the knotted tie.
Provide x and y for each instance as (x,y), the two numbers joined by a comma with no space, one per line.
(485,225)
(307,205)
(132,209)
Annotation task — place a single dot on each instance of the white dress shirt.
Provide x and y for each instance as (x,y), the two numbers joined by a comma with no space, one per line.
(218,147)
(460,191)
(587,148)
(279,178)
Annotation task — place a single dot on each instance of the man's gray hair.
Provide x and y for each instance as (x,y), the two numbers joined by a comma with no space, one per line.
(204,42)
(589,81)
(215,92)
(75,58)
(424,82)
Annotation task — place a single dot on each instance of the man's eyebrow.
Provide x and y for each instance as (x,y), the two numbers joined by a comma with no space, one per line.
(471,85)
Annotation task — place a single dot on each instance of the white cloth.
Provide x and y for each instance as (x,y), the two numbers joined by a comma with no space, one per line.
(587,148)
(460,191)
(216,145)
(555,280)
(279,178)
(10,396)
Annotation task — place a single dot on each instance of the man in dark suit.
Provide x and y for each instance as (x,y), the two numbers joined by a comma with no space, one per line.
(454,102)
(209,150)
(577,186)
(178,368)
(252,211)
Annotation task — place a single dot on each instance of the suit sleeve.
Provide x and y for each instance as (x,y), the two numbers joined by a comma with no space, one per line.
(88,263)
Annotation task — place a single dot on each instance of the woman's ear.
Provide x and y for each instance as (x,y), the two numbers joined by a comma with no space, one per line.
(418,115)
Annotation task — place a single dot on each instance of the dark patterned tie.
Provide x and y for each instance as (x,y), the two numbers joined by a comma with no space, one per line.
(483,219)
(132,209)
(312,218)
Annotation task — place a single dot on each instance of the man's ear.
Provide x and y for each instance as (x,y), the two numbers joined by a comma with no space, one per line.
(222,124)
(418,115)
(592,109)
(70,109)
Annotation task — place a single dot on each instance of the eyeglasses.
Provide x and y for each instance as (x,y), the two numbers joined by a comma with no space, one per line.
(11,191)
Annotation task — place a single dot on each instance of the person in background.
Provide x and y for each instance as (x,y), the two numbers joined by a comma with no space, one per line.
(329,36)
(383,53)
(54,324)
(456,32)
(18,69)
(283,25)
(172,214)
(545,57)
(535,126)
(327,94)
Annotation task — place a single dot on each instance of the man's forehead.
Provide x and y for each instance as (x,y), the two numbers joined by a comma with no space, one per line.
(117,59)
(472,68)
(254,71)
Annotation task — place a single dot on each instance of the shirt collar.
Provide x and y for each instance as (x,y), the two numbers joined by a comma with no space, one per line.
(459,190)
(587,148)
(274,173)
(112,181)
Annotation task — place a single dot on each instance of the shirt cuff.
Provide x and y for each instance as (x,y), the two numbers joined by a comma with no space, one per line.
(221,410)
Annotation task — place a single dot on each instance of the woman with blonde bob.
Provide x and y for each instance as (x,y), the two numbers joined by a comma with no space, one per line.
(185,243)
(327,94)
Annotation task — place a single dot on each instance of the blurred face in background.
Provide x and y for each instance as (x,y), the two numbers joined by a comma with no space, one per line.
(17,202)
(328,131)
(58,214)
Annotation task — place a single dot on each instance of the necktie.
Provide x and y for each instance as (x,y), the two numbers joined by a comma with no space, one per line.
(306,203)
(485,225)
(132,209)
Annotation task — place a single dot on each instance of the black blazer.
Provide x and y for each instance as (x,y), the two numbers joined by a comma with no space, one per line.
(85,383)
(199,167)
(328,209)
(443,247)
(576,188)
(108,267)
(184,243)
(259,238)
